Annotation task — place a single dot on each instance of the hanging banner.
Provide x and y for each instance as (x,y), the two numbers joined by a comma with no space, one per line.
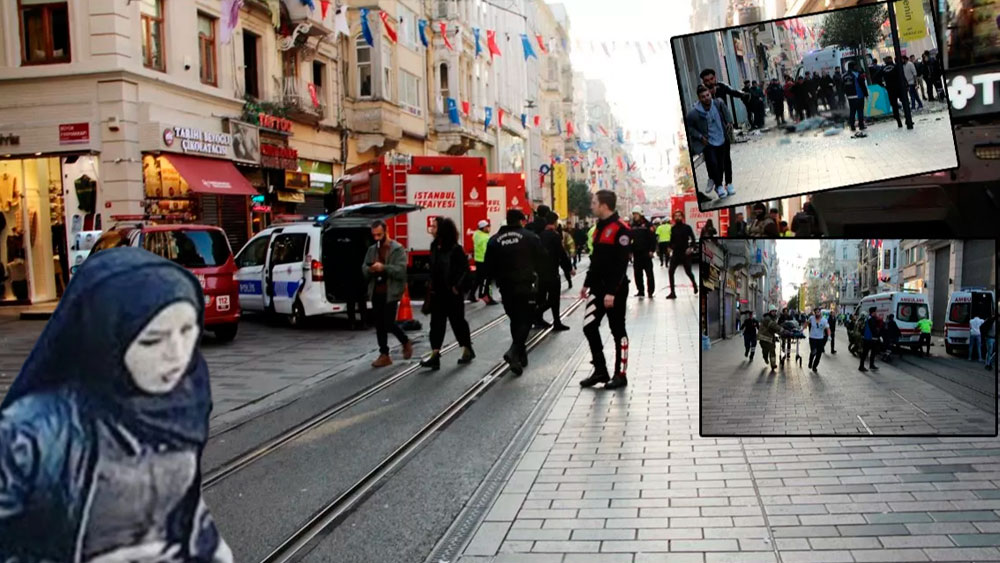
(560,189)
(422,26)
(366,31)
(526,44)
(910,20)
(479,48)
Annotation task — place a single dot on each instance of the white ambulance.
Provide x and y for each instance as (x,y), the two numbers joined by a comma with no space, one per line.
(908,308)
(962,306)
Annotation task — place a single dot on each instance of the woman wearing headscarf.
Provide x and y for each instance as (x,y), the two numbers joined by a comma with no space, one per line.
(449,270)
(101,434)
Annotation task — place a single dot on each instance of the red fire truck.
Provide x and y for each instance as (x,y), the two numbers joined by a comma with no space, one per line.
(688,204)
(505,191)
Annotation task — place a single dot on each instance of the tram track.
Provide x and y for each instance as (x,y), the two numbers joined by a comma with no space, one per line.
(301,541)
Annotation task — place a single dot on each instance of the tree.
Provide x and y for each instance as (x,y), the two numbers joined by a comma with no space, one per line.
(793,303)
(858,28)
(579,199)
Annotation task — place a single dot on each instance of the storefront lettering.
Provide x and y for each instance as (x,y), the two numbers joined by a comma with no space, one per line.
(198,141)
(10,139)
(281,158)
(435,200)
(275,123)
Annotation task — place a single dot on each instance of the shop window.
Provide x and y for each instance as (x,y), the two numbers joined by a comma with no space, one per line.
(44,32)
(364,54)
(443,79)
(386,71)
(251,64)
(206,50)
(152,34)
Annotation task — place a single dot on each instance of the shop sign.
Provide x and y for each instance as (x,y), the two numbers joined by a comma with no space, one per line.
(975,92)
(74,133)
(261,209)
(198,141)
(320,176)
(9,140)
(246,141)
(291,197)
(278,157)
(296,181)
(274,123)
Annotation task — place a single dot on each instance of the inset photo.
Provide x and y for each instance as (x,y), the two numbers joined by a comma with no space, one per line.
(799,105)
(848,337)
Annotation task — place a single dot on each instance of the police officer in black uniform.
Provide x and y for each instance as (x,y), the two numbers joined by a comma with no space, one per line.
(550,287)
(514,258)
(606,289)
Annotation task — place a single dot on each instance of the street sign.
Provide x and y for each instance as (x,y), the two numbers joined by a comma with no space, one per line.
(910,20)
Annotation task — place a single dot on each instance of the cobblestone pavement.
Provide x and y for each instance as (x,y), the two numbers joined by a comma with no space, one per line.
(765,169)
(624,477)
(746,398)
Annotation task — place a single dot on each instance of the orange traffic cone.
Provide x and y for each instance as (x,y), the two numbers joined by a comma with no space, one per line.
(404,317)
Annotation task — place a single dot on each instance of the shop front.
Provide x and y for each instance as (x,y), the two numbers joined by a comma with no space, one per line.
(49,201)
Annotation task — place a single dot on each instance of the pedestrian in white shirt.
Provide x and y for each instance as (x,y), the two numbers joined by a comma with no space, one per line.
(819,331)
(910,72)
(975,336)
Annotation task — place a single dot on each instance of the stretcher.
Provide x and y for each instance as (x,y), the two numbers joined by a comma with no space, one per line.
(790,331)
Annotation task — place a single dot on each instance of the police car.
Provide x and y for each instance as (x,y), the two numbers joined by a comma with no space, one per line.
(312,267)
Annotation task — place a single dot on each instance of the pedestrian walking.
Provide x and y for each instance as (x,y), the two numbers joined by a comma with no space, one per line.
(569,245)
(738,228)
(385,269)
(833,331)
(721,90)
(514,259)
(910,73)
(895,86)
(481,289)
(975,337)
(751,107)
(870,338)
(449,270)
(921,75)
(840,94)
(102,431)
(663,233)
(803,105)
(805,224)
(762,225)
(580,239)
(933,77)
(819,332)
(776,97)
(769,330)
(856,91)
(549,289)
(989,331)
(540,220)
(643,251)
(750,327)
(709,126)
(789,90)
(606,290)
(757,97)
(924,326)
(826,89)
(890,336)
(681,248)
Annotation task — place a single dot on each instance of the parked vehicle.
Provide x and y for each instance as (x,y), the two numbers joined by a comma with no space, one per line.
(962,306)
(202,249)
(308,268)
(908,307)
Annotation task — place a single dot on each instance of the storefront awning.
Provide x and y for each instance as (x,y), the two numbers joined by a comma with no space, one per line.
(211,176)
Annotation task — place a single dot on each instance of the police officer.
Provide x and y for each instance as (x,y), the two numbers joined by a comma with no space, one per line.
(482,288)
(643,250)
(606,287)
(555,258)
(514,259)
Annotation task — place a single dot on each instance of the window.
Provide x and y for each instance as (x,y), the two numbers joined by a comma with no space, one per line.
(386,71)
(44,32)
(190,249)
(910,313)
(255,253)
(251,64)
(407,27)
(289,249)
(895,257)
(206,50)
(318,80)
(152,34)
(409,95)
(364,68)
(443,77)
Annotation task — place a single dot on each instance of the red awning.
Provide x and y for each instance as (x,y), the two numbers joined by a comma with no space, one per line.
(211,176)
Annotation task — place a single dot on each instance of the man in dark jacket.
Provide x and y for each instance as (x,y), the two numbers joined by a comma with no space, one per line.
(800,92)
(762,225)
(643,250)
(606,289)
(682,242)
(833,331)
(537,225)
(870,335)
(933,77)
(894,83)
(812,86)
(776,96)
(555,257)
(721,90)
(514,259)
(805,222)
(856,91)
(826,90)
(838,79)
(738,228)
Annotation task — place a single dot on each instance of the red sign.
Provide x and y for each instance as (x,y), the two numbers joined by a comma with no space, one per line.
(282,158)
(74,133)
(275,123)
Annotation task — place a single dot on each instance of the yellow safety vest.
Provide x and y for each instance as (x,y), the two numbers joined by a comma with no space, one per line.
(590,238)
(663,233)
(479,241)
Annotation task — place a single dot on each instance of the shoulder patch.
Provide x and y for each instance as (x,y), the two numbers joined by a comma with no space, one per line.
(624,240)
(608,234)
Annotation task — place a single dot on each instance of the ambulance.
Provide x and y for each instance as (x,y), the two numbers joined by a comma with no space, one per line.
(908,308)
(962,306)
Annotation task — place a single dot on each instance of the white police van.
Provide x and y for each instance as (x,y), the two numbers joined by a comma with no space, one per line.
(313,267)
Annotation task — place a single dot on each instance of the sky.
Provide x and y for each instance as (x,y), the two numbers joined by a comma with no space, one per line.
(792,257)
(642,96)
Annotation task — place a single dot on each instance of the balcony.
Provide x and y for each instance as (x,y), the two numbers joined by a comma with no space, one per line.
(459,139)
(376,123)
(757,270)
(308,22)
(297,99)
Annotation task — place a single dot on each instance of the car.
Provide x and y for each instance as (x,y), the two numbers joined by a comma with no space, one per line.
(308,268)
(201,249)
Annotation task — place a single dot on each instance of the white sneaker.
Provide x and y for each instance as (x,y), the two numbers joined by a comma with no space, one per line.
(721,192)
(730,190)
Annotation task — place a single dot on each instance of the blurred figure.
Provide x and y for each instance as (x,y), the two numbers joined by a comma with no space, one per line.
(924,326)
(663,241)
(681,247)
(856,91)
(776,96)
(481,290)
(449,270)
(910,72)
(569,245)
(541,218)
(762,224)
(890,336)
(385,269)
(783,229)
(750,326)
(643,250)
(708,230)
(975,337)
(768,332)
(870,336)
(738,228)
(805,224)
(554,258)
(895,86)
(101,433)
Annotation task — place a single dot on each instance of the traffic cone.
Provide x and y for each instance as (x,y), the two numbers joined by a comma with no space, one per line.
(404,317)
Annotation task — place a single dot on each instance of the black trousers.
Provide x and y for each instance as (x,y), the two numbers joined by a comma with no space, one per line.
(681,258)
(779,111)
(549,292)
(856,108)
(642,267)
(925,342)
(719,164)
(750,343)
(354,308)
(520,310)
(384,316)
(833,341)
(894,101)
(616,322)
(664,251)
(448,309)
(868,350)
(482,287)
(816,351)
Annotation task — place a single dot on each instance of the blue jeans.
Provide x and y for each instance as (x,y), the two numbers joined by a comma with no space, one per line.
(991,349)
(914,98)
(975,344)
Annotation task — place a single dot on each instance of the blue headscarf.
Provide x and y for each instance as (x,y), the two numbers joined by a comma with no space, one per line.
(109,301)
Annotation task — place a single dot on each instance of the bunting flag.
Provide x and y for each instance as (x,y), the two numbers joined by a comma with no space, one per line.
(528,51)
(422,28)
(592,130)
(230,19)
(453,112)
(444,35)
(599,162)
(488,118)
(569,129)
(605,47)
(620,136)
(479,48)
(388,27)
(642,58)
(324,7)
(603,130)
(313,95)
(584,145)
(465,108)
(491,43)
(538,120)
(340,25)
(308,3)
(541,44)
(558,126)
(500,113)
(524,120)
(366,31)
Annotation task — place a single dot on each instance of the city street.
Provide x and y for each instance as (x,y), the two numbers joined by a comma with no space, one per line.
(910,395)
(776,164)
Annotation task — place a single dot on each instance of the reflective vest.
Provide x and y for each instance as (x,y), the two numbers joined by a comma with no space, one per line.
(663,233)
(590,239)
(479,241)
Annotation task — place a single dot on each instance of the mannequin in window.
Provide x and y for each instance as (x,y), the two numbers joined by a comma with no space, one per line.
(8,192)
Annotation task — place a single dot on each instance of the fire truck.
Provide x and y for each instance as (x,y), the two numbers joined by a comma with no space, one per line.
(503,192)
(688,204)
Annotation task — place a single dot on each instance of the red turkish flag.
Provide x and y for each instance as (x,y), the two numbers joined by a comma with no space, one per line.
(538,120)
(465,108)
(444,35)
(569,129)
(491,43)
(541,43)
(499,117)
(621,165)
(388,27)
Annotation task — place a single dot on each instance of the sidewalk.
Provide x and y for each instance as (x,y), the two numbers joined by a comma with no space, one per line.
(747,398)
(624,477)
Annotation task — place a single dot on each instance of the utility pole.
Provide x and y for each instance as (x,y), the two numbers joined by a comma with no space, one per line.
(899,58)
